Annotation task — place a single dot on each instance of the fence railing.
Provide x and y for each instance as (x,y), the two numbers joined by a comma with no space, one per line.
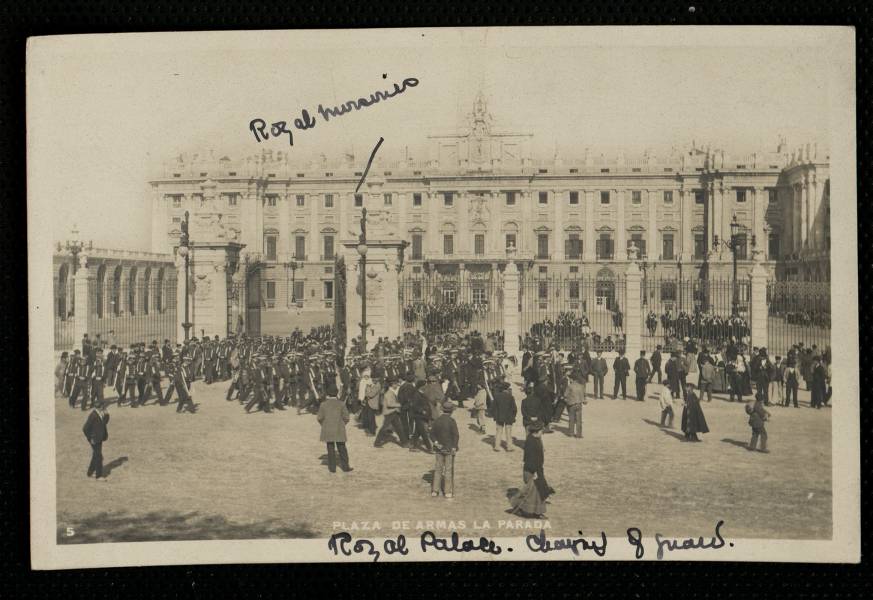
(435,304)
(128,313)
(798,312)
(566,311)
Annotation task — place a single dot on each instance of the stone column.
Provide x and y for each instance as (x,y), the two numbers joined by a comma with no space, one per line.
(283,249)
(433,225)
(313,253)
(652,230)
(180,297)
(511,317)
(633,310)
(686,239)
(759,210)
(463,239)
(81,299)
(558,196)
(797,218)
(804,213)
(620,228)
(758,308)
(590,243)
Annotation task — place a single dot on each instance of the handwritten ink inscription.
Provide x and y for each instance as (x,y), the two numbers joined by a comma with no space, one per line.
(343,544)
(262,131)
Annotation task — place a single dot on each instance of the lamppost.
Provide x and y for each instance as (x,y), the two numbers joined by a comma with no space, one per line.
(679,282)
(732,246)
(292,264)
(644,265)
(74,246)
(185,251)
(362,250)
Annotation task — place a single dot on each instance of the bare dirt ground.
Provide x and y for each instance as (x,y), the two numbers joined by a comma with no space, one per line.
(223,474)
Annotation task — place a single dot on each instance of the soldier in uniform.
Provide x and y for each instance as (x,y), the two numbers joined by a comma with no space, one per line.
(154,375)
(142,379)
(259,396)
(80,382)
(97,376)
(182,383)
(70,374)
(129,383)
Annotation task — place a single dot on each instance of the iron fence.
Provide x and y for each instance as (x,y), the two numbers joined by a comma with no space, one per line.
(798,312)
(65,310)
(139,311)
(437,304)
(566,311)
(709,311)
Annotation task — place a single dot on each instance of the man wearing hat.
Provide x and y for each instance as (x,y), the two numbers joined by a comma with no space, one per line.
(575,398)
(333,416)
(599,369)
(445,436)
(422,415)
(96,432)
(405,396)
(504,412)
(643,372)
(392,420)
(182,382)
(620,370)
(97,375)
(78,368)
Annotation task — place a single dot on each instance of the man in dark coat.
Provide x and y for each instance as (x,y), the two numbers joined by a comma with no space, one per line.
(693,421)
(819,383)
(620,369)
(504,412)
(656,363)
(643,372)
(421,413)
(96,432)
(444,433)
(757,417)
(333,416)
(531,411)
(599,370)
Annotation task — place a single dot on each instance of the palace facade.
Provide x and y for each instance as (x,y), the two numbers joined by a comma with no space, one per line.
(480,191)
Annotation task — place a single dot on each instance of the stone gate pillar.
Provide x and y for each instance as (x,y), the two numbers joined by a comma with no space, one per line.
(511,316)
(81,299)
(633,310)
(758,321)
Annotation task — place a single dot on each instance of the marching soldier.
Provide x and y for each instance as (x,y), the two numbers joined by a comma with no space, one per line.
(80,381)
(98,373)
(182,382)
(127,379)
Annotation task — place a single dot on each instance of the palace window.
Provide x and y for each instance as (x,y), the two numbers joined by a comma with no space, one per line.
(574,198)
(328,248)
(271,294)
(668,197)
(741,195)
(479,296)
(773,195)
(271,200)
(638,241)
(417,241)
(386,198)
(573,248)
(270,247)
(511,241)
(300,247)
(574,290)
(741,246)
(328,200)
(416,290)
(479,244)
(636,197)
(359,200)
(448,244)
(510,198)
(773,245)
(327,291)
(604,197)
(544,197)
(297,293)
(301,200)
(699,245)
(416,200)
(450,295)
(543,290)
(605,247)
(699,197)
(448,199)
(543,246)
(177,200)
(667,246)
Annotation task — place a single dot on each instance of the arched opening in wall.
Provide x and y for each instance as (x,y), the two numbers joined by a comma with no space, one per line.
(146,283)
(131,292)
(115,297)
(61,291)
(605,289)
(101,282)
(159,291)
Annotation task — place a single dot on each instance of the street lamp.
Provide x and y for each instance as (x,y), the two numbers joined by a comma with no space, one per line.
(185,252)
(644,265)
(679,286)
(74,246)
(292,264)
(732,246)
(362,250)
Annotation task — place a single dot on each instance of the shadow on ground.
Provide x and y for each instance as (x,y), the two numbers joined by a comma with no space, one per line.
(172,526)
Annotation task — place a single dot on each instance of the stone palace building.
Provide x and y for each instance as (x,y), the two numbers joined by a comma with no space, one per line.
(480,191)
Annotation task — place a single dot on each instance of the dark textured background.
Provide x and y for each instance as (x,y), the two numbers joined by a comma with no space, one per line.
(440,580)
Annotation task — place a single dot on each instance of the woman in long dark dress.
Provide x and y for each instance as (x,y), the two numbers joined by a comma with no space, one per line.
(531,499)
(693,421)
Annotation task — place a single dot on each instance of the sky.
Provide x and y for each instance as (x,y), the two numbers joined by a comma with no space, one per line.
(105,111)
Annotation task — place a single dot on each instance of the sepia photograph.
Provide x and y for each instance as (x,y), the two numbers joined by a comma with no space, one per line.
(443,294)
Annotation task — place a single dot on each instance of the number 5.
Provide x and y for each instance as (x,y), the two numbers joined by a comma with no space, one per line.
(70,532)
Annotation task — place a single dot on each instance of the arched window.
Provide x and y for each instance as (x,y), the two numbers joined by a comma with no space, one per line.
(159,291)
(147,281)
(61,291)
(605,294)
(131,292)
(101,282)
(115,294)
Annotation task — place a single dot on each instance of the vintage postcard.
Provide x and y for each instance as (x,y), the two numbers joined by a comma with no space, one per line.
(443,294)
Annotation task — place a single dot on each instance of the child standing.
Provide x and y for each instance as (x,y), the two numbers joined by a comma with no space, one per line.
(665,400)
(758,415)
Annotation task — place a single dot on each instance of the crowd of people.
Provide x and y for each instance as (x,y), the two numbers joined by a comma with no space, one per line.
(707,327)
(438,318)
(568,329)
(416,381)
